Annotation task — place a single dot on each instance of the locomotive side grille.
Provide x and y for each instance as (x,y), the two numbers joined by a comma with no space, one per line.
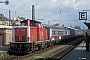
(16,37)
(23,37)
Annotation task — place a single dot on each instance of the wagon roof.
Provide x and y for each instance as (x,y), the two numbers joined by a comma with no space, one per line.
(57,27)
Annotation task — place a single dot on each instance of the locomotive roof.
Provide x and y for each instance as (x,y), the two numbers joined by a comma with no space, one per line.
(58,27)
(61,27)
(31,21)
(35,21)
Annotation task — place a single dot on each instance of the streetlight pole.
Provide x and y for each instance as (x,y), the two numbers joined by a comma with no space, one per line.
(9,18)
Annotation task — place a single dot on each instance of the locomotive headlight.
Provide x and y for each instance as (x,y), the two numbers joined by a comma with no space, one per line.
(59,37)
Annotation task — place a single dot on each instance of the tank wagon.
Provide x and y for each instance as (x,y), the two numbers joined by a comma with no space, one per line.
(32,36)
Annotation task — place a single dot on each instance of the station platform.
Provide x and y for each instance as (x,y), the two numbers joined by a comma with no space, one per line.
(79,53)
(3,50)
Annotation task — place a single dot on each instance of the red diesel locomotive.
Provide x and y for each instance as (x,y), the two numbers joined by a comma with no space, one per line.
(29,36)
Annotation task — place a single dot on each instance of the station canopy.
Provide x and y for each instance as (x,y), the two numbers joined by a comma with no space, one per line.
(87,23)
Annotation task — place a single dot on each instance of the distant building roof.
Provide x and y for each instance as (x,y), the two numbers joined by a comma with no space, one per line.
(2,17)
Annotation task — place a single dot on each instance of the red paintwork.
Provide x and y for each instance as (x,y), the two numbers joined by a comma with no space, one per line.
(37,33)
(33,34)
(42,33)
(20,33)
(45,34)
(40,36)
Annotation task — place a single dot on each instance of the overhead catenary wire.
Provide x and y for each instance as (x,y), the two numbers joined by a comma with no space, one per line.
(64,7)
(60,8)
(19,7)
(35,3)
(80,6)
(27,10)
(23,4)
(55,4)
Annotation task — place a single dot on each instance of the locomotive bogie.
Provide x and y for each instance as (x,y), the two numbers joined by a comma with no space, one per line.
(20,47)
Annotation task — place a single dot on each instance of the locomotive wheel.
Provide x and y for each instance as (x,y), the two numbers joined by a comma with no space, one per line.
(10,53)
(46,45)
(37,48)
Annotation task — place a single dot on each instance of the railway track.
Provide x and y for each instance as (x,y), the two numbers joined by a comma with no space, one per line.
(60,54)
(54,52)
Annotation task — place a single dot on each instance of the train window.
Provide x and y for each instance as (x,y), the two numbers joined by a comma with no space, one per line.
(65,32)
(16,37)
(33,23)
(60,32)
(53,32)
(23,37)
(23,24)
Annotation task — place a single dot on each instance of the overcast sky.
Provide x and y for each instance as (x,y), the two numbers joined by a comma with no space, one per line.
(65,12)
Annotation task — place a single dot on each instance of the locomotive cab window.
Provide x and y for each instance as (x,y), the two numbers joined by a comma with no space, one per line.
(65,32)
(23,37)
(53,32)
(33,23)
(16,37)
